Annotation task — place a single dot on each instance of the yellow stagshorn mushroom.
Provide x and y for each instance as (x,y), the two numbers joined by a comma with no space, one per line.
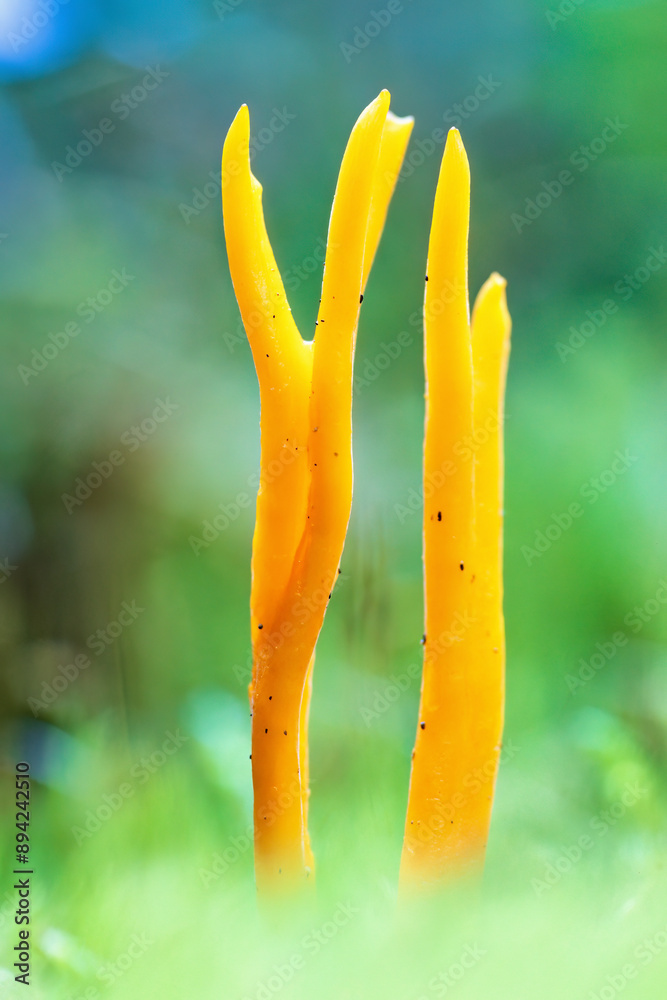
(460,724)
(305,492)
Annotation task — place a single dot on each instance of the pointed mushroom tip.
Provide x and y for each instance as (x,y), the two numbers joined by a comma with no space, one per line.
(242,115)
(493,289)
(378,108)
(492,296)
(240,126)
(382,101)
(454,146)
(454,138)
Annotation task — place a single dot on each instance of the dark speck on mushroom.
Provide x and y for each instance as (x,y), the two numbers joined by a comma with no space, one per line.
(260,626)
(422,725)
(423,639)
(361,299)
(284,732)
(440,515)
(461,566)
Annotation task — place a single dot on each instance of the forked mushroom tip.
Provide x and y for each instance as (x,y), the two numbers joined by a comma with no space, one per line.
(405,122)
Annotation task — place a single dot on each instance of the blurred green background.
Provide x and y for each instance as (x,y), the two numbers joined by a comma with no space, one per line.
(124,617)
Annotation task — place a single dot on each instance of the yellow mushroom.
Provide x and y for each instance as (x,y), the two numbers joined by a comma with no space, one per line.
(305,492)
(462,700)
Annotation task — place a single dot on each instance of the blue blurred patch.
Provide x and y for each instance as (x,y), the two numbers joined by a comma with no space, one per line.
(40,36)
